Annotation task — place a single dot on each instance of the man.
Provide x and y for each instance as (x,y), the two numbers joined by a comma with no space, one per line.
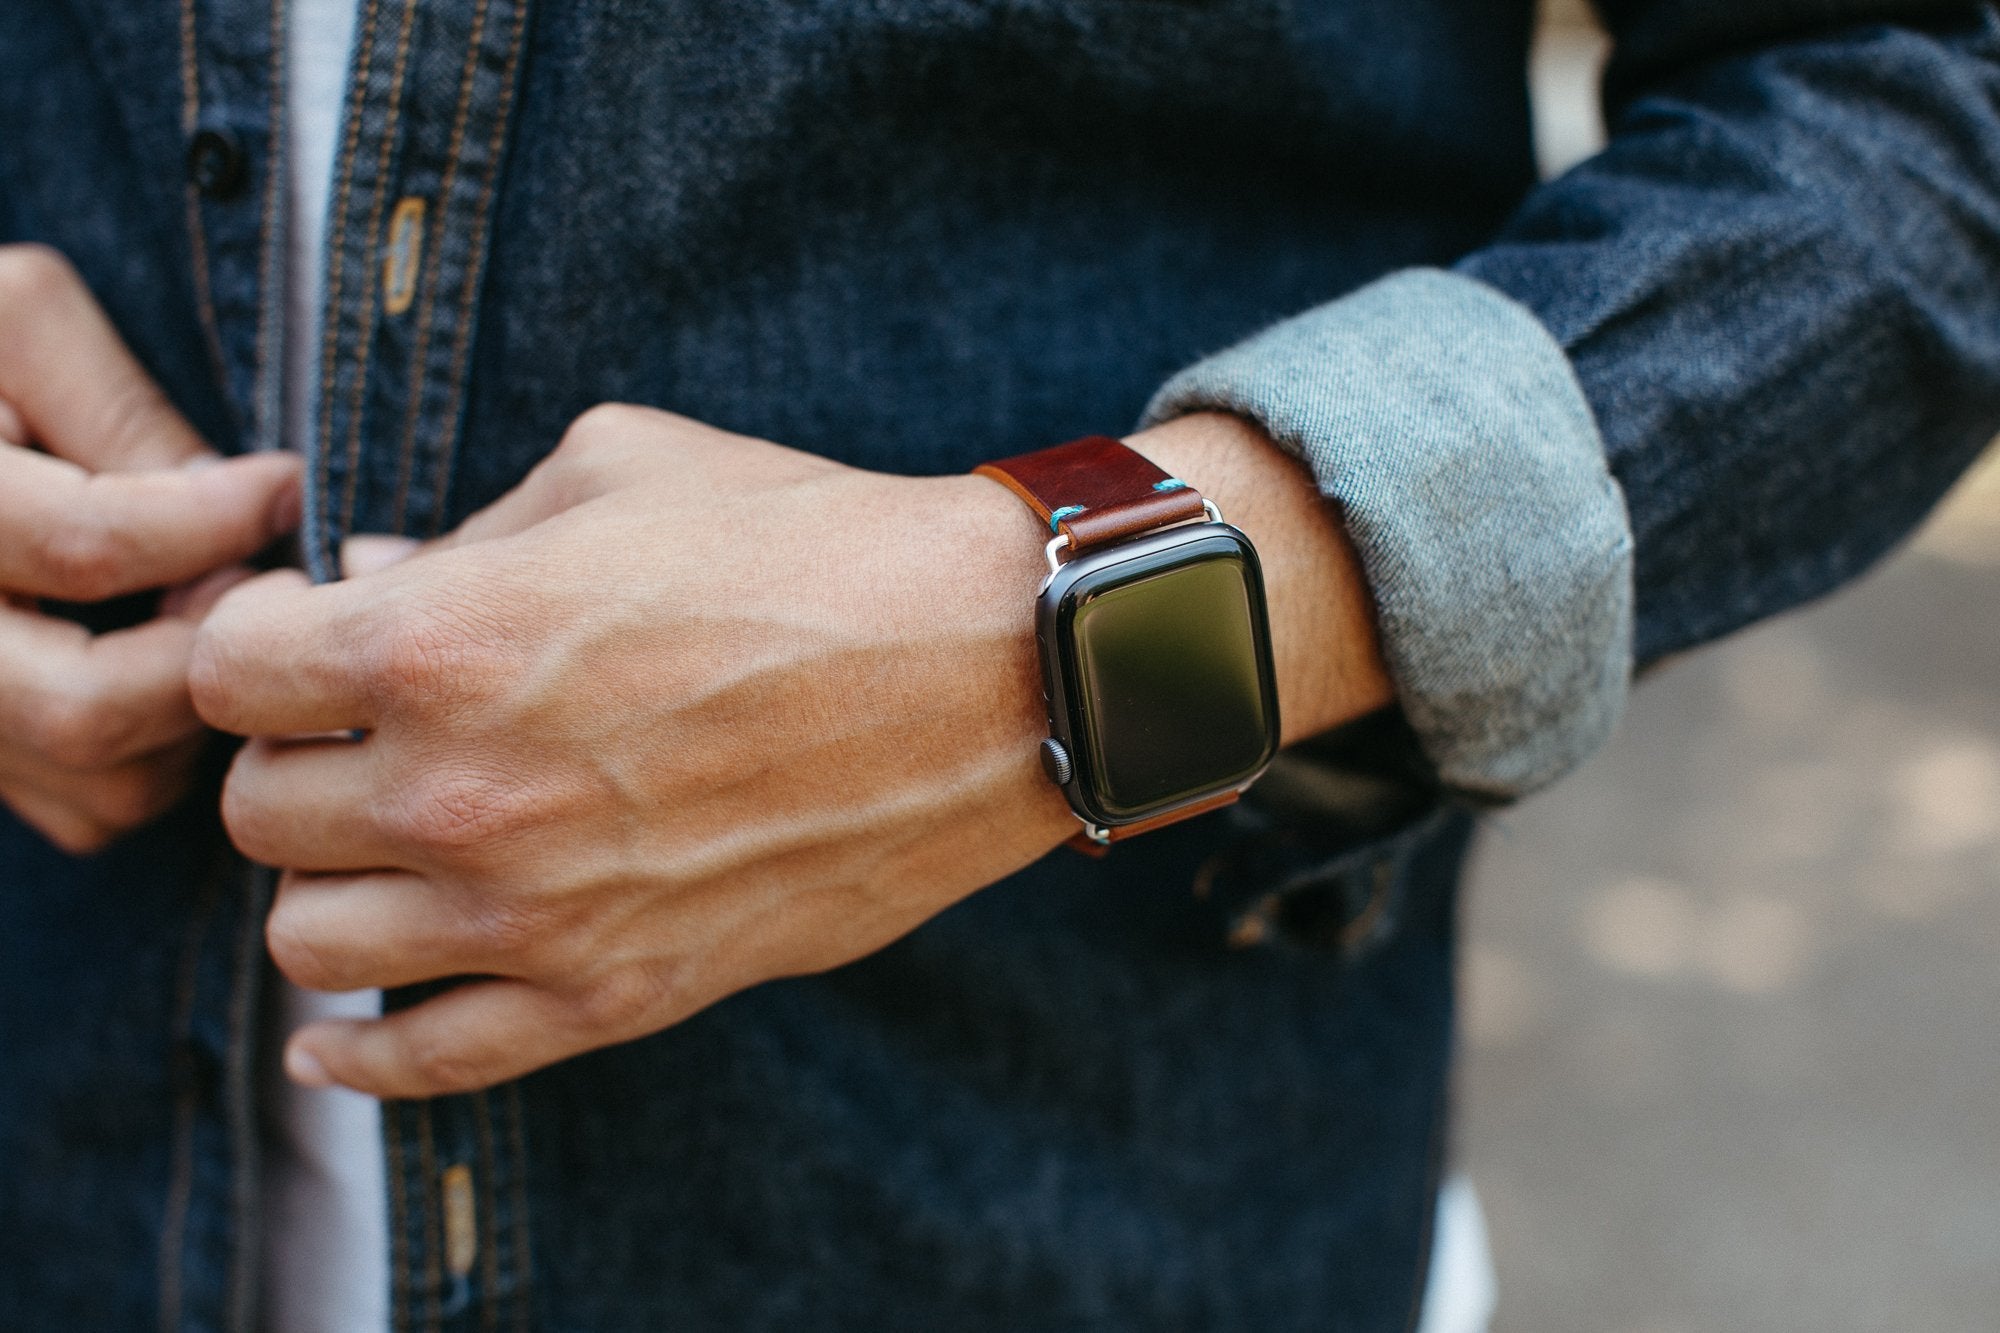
(681,791)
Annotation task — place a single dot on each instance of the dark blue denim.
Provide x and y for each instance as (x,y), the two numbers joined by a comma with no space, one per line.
(1202,1082)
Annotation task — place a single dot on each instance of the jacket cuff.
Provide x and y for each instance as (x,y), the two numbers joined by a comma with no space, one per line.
(1447,424)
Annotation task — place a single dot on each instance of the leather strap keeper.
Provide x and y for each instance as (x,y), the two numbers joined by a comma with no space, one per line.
(1095,490)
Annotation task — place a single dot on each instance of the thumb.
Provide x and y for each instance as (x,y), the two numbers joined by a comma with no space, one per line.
(193,601)
(591,459)
(536,500)
(369,553)
(257,499)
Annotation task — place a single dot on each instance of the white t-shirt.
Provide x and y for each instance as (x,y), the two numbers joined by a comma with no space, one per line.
(326,1238)
(326,1200)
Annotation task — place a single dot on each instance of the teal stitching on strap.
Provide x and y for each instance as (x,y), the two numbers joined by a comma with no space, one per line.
(1170,484)
(1067,511)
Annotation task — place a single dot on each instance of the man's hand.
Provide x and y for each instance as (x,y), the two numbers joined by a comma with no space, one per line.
(98,499)
(683,713)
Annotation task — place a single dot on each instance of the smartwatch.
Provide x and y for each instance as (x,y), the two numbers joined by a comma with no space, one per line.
(1154,641)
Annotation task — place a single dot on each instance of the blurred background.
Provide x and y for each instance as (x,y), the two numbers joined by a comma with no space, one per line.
(1732,1000)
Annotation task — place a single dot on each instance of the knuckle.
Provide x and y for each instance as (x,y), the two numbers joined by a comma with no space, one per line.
(32,275)
(508,928)
(225,652)
(302,959)
(599,425)
(423,656)
(457,812)
(597,439)
(79,555)
(209,671)
(625,999)
(412,656)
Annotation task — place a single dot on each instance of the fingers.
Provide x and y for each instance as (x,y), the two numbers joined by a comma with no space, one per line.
(309,805)
(68,829)
(84,812)
(280,657)
(110,507)
(84,704)
(74,385)
(471,1037)
(84,537)
(381,930)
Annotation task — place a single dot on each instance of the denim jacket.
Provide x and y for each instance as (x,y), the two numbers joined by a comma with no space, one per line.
(1201,1083)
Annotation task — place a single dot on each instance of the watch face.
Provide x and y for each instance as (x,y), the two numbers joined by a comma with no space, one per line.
(1168,688)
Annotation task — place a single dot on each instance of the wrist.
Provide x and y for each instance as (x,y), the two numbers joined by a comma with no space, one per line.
(1323,635)
(981,575)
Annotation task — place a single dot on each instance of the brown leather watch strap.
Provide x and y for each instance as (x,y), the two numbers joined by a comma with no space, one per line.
(1089,846)
(1095,490)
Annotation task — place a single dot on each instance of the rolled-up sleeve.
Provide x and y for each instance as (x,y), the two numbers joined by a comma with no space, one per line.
(1447,426)
(1717,369)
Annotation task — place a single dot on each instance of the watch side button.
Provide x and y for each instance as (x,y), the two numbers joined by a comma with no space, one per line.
(1055,762)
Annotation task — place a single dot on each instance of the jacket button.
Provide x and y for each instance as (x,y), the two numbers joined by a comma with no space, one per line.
(216,163)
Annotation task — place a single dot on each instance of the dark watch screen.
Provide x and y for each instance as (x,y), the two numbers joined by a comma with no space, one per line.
(1171,683)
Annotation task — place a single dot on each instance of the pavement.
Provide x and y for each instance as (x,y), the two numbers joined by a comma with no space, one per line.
(1732,992)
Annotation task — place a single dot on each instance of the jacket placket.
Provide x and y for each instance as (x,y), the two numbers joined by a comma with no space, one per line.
(429,98)
(423,133)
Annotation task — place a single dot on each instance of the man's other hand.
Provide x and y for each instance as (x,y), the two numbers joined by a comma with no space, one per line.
(104,490)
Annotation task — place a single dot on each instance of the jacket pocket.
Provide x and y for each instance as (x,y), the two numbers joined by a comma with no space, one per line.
(1319,855)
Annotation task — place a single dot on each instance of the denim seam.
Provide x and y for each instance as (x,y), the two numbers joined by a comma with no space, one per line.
(430,1221)
(434,264)
(211,327)
(259,883)
(365,335)
(330,321)
(267,426)
(475,267)
(180,1185)
(399,1219)
(487,1186)
(1426,1235)
(239,1098)
(524,1266)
